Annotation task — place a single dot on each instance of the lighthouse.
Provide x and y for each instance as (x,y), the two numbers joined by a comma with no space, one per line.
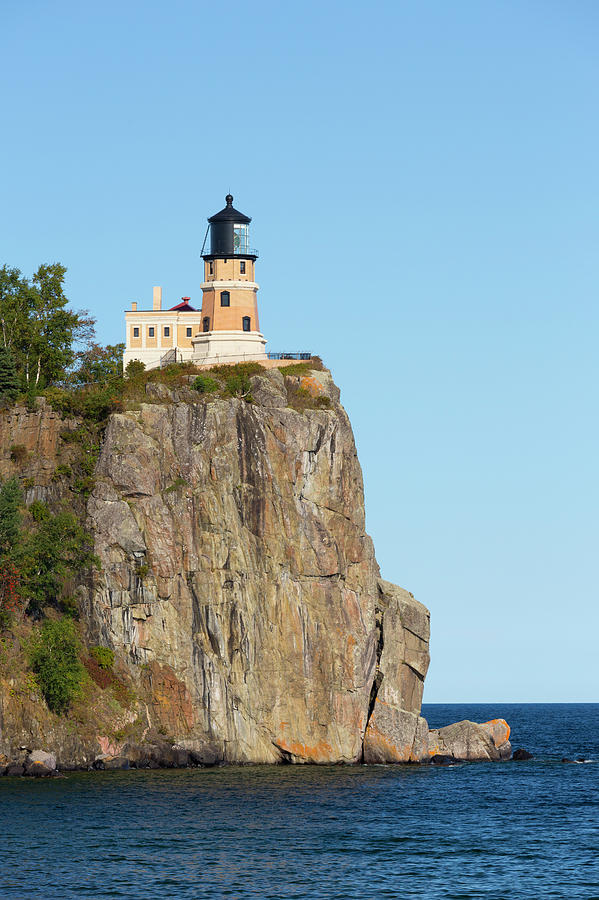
(230,330)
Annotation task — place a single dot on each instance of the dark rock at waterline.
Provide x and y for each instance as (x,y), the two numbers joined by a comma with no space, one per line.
(38,770)
(521,754)
(208,755)
(156,756)
(106,762)
(15,769)
(40,764)
(441,759)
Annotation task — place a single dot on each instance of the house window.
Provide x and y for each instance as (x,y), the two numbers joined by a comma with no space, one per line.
(188,332)
(246,323)
(225,299)
(206,324)
(150,331)
(167,331)
(242,268)
(211,268)
(136,332)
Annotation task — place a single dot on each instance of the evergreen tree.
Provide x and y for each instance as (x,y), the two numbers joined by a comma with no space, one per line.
(11,501)
(9,380)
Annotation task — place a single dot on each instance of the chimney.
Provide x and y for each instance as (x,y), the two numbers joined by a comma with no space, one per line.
(157,298)
(134,305)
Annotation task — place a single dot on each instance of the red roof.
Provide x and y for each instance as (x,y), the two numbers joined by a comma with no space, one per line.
(184,306)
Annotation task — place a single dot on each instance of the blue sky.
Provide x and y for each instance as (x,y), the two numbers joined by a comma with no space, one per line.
(422,179)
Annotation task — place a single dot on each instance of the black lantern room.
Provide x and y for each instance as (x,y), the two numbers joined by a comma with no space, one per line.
(228,234)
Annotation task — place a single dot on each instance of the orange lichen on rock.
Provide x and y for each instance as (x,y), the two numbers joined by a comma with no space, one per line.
(383,750)
(310,384)
(498,729)
(322,752)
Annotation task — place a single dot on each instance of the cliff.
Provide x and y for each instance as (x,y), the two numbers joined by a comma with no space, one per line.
(237,586)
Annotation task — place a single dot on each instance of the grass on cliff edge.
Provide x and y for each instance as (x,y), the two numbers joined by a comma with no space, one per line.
(221,381)
(94,402)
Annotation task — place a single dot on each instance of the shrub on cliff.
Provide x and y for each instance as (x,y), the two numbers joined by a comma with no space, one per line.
(135,369)
(238,385)
(10,593)
(244,368)
(205,385)
(104,656)
(54,657)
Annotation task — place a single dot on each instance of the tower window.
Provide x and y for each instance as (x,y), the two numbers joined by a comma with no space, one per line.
(167,331)
(211,268)
(136,332)
(150,331)
(247,322)
(225,299)
(242,267)
(188,332)
(205,324)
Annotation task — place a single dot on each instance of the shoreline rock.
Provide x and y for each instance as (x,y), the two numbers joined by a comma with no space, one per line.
(471,742)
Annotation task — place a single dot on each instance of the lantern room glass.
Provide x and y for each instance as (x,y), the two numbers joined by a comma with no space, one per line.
(241,239)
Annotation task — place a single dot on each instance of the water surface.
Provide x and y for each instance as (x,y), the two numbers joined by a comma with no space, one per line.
(517,830)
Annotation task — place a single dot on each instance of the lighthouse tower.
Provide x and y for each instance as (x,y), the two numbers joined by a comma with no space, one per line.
(229,327)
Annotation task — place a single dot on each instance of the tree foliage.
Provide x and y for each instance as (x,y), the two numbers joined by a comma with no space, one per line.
(11,501)
(43,552)
(97,364)
(54,657)
(10,382)
(36,325)
(55,550)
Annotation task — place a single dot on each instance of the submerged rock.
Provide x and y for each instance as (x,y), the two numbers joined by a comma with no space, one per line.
(440,759)
(521,754)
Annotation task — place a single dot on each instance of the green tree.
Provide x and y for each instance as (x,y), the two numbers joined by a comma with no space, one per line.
(100,365)
(54,657)
(9,380)
(14,305)
(135,369)
(36,325)
(52,554)
(11,501)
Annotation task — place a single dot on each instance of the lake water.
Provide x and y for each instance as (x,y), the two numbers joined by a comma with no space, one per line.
(492,830)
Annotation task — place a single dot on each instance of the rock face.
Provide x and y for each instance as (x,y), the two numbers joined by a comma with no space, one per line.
(396,732)
(238,579)
(238,590)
